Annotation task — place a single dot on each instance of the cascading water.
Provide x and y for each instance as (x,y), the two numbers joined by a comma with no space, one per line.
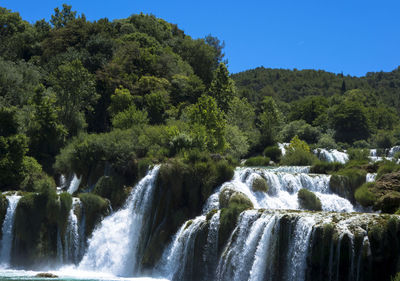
(331,155)
(7,230)
(178,257)
(74,185)
(115,244)
(283,189)
(72,237)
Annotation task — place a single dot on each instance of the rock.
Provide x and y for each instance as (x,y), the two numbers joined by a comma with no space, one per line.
(46,275)
(308,200)
(259,184)
(387,192)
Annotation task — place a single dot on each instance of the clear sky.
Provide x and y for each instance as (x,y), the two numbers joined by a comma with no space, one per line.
(349,36)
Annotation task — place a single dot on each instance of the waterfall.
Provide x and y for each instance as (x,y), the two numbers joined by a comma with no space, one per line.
(179,255)
(210,254)
(74,185)
(7,230)
(297,253)
(72,237)
(331,155)
(283,189)
(115,244)
(370,177)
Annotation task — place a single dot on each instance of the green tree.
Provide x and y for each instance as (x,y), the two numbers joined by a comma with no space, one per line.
(129,118)
(222,87)
(206,113)
(46,134)
(120,101)
(61,18)
(270,121)
(76,94)
(350,122)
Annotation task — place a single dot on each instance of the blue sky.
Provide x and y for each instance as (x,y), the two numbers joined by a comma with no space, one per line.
(349,36)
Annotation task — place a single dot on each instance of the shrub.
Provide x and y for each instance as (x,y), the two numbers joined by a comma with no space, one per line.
(260,184)
(365,197)
(358,154)
(257,161)
(396,277)
(298,158)
(327,141)
(298,154)
(273,152)
(387,167)
(355,177)
(322,167)
(308,200)
(95,208)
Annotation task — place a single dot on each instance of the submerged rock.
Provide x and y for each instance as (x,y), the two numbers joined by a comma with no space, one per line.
(46,275)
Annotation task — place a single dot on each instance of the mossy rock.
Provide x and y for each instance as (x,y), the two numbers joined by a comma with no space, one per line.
(3,211)
(95,208)
(386,190)
(308,200)
(364,196)
(260,184)
(346,181)
(112,188)
(237,203)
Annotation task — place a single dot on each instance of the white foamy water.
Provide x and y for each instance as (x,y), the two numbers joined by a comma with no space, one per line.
(115,244)
(331,155)
(74,185)
(283,189)
(7,231)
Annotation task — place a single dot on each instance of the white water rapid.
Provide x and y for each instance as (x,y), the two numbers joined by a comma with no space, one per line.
(284,183)
(74,185)
(115,244)
(7,231)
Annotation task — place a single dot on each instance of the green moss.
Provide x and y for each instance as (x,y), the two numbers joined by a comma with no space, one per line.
(65,207)
(237,204)
(257,161)
(346,181)
(321,167)
(95,208)
(364,196)
(260,184)
(308,200)
(210,214)
(3,210)
(387,167)
(112,188)
(396,277)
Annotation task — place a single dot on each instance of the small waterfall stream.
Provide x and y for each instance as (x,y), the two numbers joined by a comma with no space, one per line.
(115,244)
(7,231)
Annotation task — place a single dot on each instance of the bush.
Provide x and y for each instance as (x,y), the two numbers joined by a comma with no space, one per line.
(358,154)
(95,208)
(260,184)
(387,167)
(298,154)
(257,161)
(3,210)
(396,277)
(298,158)
(308,200)
(365,197)
(273,152)
(322,167)
(327,141)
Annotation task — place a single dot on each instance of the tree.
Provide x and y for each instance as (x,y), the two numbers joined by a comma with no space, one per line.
(270,121)
(76,94)
(206,113)
(350,122)
(61,18)
(46,134)
(222,87)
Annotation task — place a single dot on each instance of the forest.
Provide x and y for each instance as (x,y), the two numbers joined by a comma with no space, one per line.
(106,100)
